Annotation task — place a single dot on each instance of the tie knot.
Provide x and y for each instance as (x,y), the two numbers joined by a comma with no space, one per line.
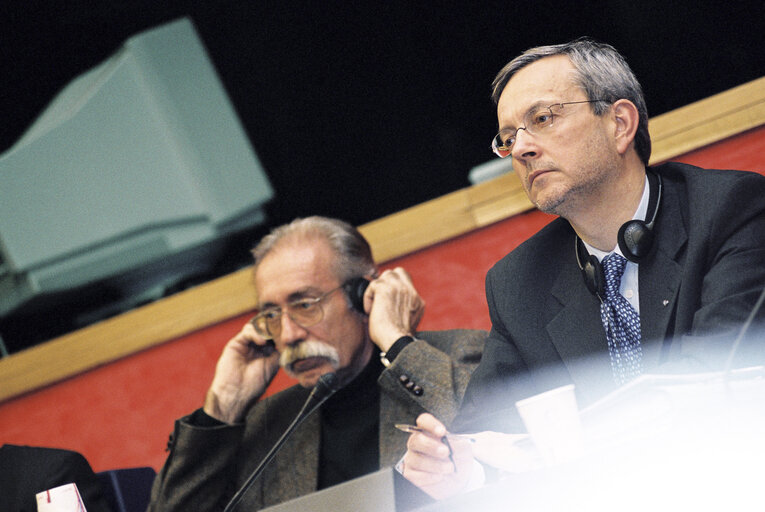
(613,267)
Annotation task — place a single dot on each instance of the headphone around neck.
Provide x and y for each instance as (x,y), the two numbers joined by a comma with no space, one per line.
(635,240)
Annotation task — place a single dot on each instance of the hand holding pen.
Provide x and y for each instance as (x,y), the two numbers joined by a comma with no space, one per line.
(410,429)
(438,462)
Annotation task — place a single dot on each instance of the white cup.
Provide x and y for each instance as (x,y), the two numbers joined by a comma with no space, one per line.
(552,420)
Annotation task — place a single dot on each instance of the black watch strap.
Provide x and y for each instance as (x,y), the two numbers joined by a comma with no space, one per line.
(388,357)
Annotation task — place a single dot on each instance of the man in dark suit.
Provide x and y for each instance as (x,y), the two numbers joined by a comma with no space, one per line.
(646,270)
(28,470)
(389,373)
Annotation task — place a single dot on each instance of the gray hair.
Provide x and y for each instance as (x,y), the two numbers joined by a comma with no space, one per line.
(601,72)
(354,256)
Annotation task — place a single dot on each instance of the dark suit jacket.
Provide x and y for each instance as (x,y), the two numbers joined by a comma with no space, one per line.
(27,470)
(702,277)
(207,465)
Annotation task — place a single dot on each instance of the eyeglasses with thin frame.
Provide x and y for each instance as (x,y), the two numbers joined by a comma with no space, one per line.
(305,312)
(535,122)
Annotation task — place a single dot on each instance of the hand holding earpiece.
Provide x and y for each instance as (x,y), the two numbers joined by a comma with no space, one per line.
(244,370)
(394,307)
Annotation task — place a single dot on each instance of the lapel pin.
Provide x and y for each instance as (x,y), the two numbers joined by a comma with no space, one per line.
(665,302)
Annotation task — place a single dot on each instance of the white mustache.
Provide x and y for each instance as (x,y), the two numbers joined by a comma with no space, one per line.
(306,349)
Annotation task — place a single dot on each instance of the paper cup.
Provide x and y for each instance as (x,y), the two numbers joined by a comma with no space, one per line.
(552,420)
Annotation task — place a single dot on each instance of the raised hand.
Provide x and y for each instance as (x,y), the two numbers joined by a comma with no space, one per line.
(245,368)
(394,307)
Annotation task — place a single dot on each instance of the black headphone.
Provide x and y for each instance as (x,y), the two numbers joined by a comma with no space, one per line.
(635,240)
(354,290)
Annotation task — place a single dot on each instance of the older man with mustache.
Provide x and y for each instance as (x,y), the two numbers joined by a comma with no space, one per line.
(308,325)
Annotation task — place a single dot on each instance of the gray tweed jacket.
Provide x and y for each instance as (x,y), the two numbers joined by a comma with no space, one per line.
(207,465)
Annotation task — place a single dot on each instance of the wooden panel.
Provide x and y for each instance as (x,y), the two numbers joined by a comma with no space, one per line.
(674,133)
(126,334)
(419,226)
(710,120)
(446,217)
(498,199)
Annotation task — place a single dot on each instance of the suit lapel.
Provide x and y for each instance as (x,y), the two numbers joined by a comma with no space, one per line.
(659,277)
(659,283)
(575,328)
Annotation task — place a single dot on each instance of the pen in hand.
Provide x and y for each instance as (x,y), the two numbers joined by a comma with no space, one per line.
(405,427)
(445,439)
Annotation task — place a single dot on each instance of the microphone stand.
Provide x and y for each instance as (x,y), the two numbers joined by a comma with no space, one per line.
(324,388)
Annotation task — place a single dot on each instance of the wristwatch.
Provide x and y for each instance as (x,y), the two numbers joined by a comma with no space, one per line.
(387,357)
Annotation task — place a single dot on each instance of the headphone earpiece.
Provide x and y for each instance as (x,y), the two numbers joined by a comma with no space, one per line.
(635,240)
(354,290)
(594,278)
(592,272)
(635,237)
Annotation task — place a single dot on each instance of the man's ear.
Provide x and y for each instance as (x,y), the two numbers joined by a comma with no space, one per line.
(626,117)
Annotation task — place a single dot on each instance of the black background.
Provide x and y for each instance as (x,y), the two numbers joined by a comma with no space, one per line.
(360,109)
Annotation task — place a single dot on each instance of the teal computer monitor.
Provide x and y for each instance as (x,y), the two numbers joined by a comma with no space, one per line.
(132,176)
